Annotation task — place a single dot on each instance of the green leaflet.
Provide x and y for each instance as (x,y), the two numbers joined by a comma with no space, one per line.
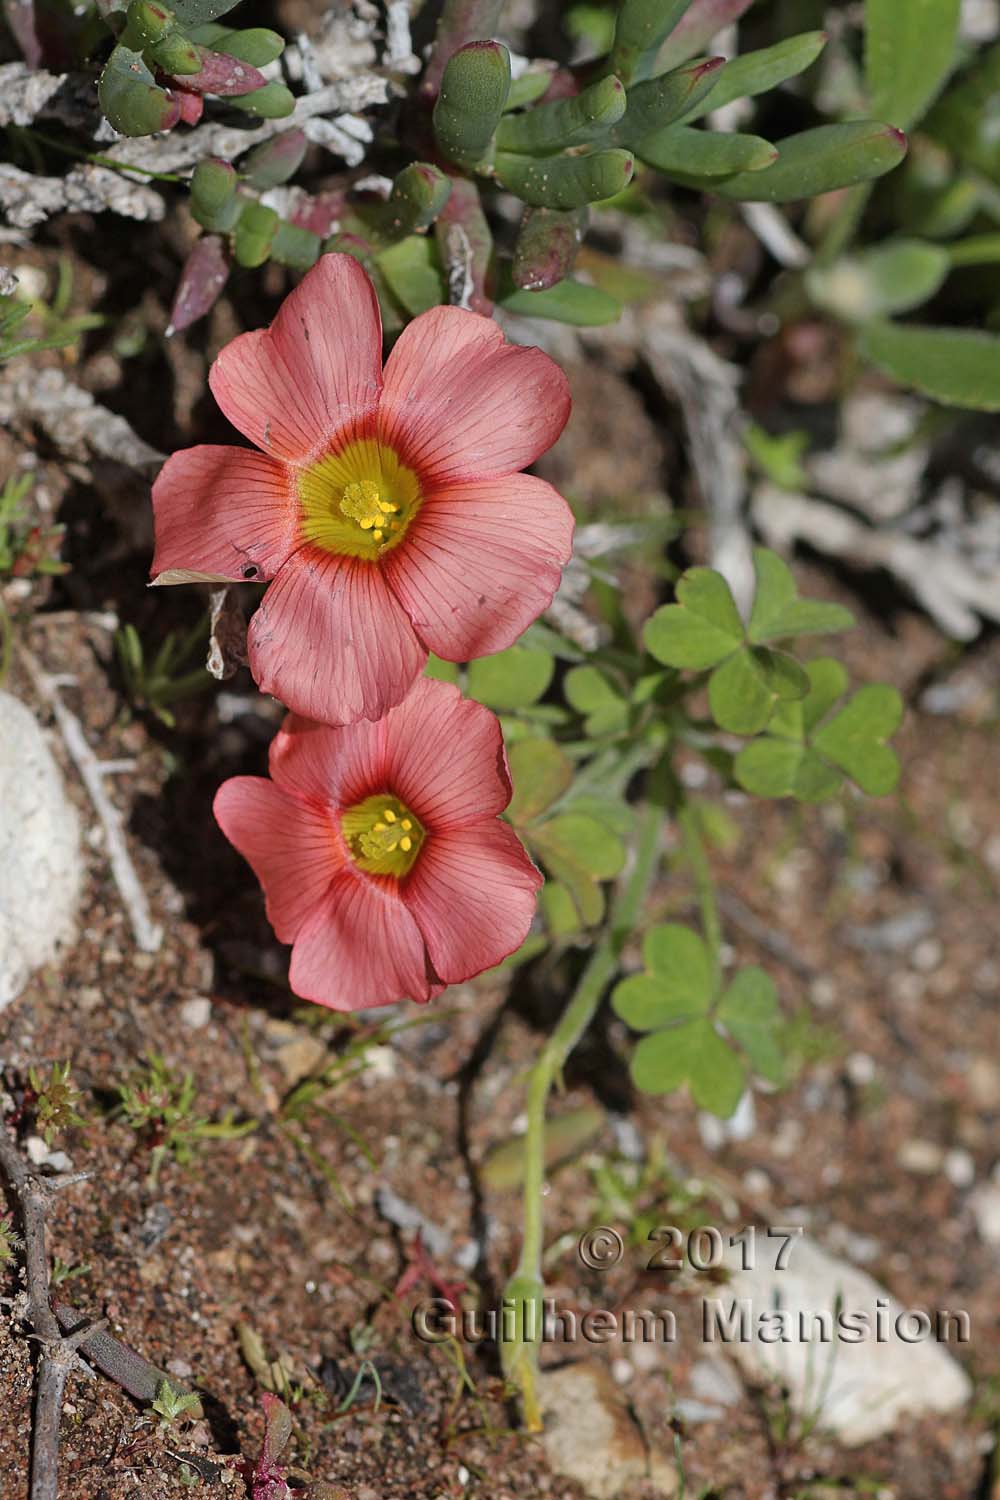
(820,160)
(700,1034)
(807,750)
(692,155)
(960,367)
(564,181)
(703,631)
(578,121)
(909,52)
(887,279)
(473,94)
(759,72)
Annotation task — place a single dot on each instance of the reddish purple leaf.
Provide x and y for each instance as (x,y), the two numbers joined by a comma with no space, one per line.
(547,246)
(461,22)
(466,247)
(222,74)
(319,213)
(20,17)
(696,28)
(205,273)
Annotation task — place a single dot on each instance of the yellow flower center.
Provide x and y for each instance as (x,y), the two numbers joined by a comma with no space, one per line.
(383,836)
(358,502)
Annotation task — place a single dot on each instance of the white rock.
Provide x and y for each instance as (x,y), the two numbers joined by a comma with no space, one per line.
(985,1205)
(590,1437)
(41,873)
(859,1375)
(959,1168)
(923,1157)
(197,1012)
(714,1379)
(36,1149)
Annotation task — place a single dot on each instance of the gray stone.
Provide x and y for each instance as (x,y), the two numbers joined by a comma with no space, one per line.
(41,870)
(590,1437)
(858,1377)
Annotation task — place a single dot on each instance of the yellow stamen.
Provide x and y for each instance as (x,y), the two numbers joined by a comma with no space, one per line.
(382,839)
(358,502)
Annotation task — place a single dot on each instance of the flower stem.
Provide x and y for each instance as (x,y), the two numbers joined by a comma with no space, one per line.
(520,1356)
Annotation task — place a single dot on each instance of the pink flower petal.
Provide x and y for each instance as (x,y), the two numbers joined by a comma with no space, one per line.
(444,757)
(480,562)
(460,403)
(472,892)
(360,947)
(294,847)
(338,765)
(331,640)
(222,513)
(317,369)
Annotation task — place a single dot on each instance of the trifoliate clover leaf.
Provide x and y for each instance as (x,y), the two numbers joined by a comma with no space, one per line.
(540,774)
(699,1036)
(592,694)
(778,611)
(703,631)
(744,691)
(693,1053)
(806,753)
(855,739)
(515,678)
(579,846)
(750,1013)
(580,852)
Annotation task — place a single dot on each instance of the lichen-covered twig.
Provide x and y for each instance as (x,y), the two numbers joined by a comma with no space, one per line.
(706,388)
(148,934)
(71,417)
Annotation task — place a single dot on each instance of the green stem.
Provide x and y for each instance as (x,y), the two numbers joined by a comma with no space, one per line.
(527,1280)
(694,851)
(101,161)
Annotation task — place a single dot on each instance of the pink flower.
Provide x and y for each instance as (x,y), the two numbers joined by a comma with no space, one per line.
(380,851)
(386,506)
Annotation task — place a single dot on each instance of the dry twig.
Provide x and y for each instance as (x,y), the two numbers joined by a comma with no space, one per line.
(148,934)
(57,1356)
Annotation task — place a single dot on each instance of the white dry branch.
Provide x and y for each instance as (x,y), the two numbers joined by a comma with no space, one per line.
(176,150)
(707,389)
(70,416)
(148,934)
(329,114)
(955,589)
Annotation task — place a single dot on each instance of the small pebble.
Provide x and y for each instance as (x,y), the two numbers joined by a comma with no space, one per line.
(922,1157)
(757,1183)
(622,1371)
(960,1169)
(860,1069)
(196,1012)
(36,1149)
(927,955)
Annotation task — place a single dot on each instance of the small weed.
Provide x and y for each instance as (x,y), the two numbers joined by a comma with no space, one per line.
(643,1195)
(153,685)
(171,1404)
(56,1101)
(10,1240)
(61,1272)
(159,1106)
